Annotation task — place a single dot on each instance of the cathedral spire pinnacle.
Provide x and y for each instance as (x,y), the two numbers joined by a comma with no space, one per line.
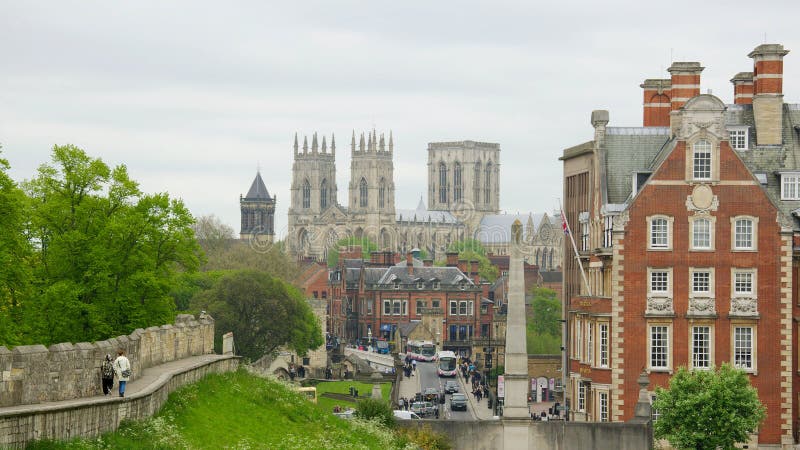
(314,143)
(295,143)
(382,144)
(361,144)
(333,144)
(391,142)
(305,144)
(324,145)
(353,142)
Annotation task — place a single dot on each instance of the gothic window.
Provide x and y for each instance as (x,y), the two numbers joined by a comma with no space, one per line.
(306,195)
(323,195)
(544,259)
(476,183)
(382,193)
(487,181)
(442,183)
(457,182)
(550,261)
(362,190)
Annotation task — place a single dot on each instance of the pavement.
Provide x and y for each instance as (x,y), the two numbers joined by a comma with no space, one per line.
(409,386)
(144,383)
(480,410)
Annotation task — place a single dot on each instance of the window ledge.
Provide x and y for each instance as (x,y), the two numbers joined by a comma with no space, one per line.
(659,370)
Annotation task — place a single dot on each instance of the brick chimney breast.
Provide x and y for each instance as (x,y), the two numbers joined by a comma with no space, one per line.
(656,102)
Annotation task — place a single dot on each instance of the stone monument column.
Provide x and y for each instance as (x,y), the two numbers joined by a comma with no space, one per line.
(516,417)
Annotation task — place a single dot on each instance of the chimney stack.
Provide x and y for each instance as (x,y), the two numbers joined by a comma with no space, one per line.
(743,88)
(768,93)
(410,263)
(685,82)
(427,262)
(452,259)
(657,102)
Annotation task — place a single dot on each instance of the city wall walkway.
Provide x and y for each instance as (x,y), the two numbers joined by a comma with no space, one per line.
(92,416)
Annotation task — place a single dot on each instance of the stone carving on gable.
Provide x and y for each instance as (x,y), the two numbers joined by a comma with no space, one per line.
(702,199)
(701,306)
(620,221)
(744,307)
(659,306)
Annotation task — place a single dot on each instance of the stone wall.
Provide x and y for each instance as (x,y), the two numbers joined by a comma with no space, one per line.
(92,417)
(556,435)
(32,374)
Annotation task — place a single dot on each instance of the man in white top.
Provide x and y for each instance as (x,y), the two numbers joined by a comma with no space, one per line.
(122,367)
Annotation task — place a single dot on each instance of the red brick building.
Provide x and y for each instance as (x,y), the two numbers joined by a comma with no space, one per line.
(377,296)
(685,228)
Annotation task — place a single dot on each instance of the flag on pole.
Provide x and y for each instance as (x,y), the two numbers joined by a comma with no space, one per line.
(564,223)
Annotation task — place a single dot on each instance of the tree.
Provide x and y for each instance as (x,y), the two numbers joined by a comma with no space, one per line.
(211,233)
(106,253)
(15,256)
(263,312)
(544,322)
(471,250)
(367,246)
(376,409)
(707,409)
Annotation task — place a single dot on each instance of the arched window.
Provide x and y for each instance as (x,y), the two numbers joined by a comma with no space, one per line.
(442,183)
(382,193)
(362,190)
(487,180)
(550,261)
(537,257)
(323,195)
(306,195)
(457,182)
(476,184)
(544,259)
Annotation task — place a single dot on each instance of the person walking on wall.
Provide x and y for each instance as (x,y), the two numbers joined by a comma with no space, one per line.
(122,367)
(107,374)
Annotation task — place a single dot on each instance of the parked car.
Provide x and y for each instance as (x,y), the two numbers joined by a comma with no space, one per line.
(458,402)
(407,415)
(423,409)
(451,386)
(432,395)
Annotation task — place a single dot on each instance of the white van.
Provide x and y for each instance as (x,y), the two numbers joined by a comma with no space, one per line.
(407,415)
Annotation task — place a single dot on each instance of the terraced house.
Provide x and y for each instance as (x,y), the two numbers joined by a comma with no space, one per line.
(687,228)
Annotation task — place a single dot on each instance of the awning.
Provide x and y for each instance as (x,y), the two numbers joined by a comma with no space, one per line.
(386,327)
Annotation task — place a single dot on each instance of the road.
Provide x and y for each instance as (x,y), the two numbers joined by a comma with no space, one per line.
(428,378)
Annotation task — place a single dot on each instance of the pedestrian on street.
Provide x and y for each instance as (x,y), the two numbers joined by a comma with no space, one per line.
(122,368)
(400,403)
(107,374)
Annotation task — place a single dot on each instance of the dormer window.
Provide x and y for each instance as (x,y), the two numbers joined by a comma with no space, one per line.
(790,186)
(738,137)
(462,285)
(420,284)
(436,285)
(397,284)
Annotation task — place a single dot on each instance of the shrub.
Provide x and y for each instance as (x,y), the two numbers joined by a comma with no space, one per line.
(374,409)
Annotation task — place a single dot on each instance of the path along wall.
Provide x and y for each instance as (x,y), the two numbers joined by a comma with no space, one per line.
(556,435)
(32,374)
(92,417)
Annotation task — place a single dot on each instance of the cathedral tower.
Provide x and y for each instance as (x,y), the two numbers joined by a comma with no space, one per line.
(258,212)
(463,178)
(313,189)
(372,187)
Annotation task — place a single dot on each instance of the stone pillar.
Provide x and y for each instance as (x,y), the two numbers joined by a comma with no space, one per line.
(516,417)
(227,343)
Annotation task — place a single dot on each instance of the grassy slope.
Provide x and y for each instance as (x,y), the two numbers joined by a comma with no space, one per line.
(238,410)
(343,387)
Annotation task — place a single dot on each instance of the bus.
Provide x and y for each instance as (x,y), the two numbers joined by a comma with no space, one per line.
(421,350)
(446,365)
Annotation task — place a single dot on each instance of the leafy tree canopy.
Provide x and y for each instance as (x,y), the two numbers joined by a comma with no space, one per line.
(367,246)
(263,312)
(708,409)
(471,250)
(104,253)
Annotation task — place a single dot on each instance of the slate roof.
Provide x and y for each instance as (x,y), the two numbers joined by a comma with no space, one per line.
(637,149)
(447,276)
(422,214)
(258,191)
(629,150)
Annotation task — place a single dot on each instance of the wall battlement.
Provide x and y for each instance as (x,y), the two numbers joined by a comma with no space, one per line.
(31,374)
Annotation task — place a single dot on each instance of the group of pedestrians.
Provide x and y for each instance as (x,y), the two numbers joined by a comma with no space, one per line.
(409,367)
(119,368)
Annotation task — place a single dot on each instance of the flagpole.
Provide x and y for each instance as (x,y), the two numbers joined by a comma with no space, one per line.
(568,231)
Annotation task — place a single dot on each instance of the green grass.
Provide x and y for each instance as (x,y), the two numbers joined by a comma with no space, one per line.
(343,387)
(240,411)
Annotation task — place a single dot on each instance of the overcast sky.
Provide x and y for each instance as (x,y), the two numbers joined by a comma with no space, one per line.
(192,95)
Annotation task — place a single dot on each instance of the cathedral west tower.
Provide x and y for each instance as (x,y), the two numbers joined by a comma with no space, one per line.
(371,190)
